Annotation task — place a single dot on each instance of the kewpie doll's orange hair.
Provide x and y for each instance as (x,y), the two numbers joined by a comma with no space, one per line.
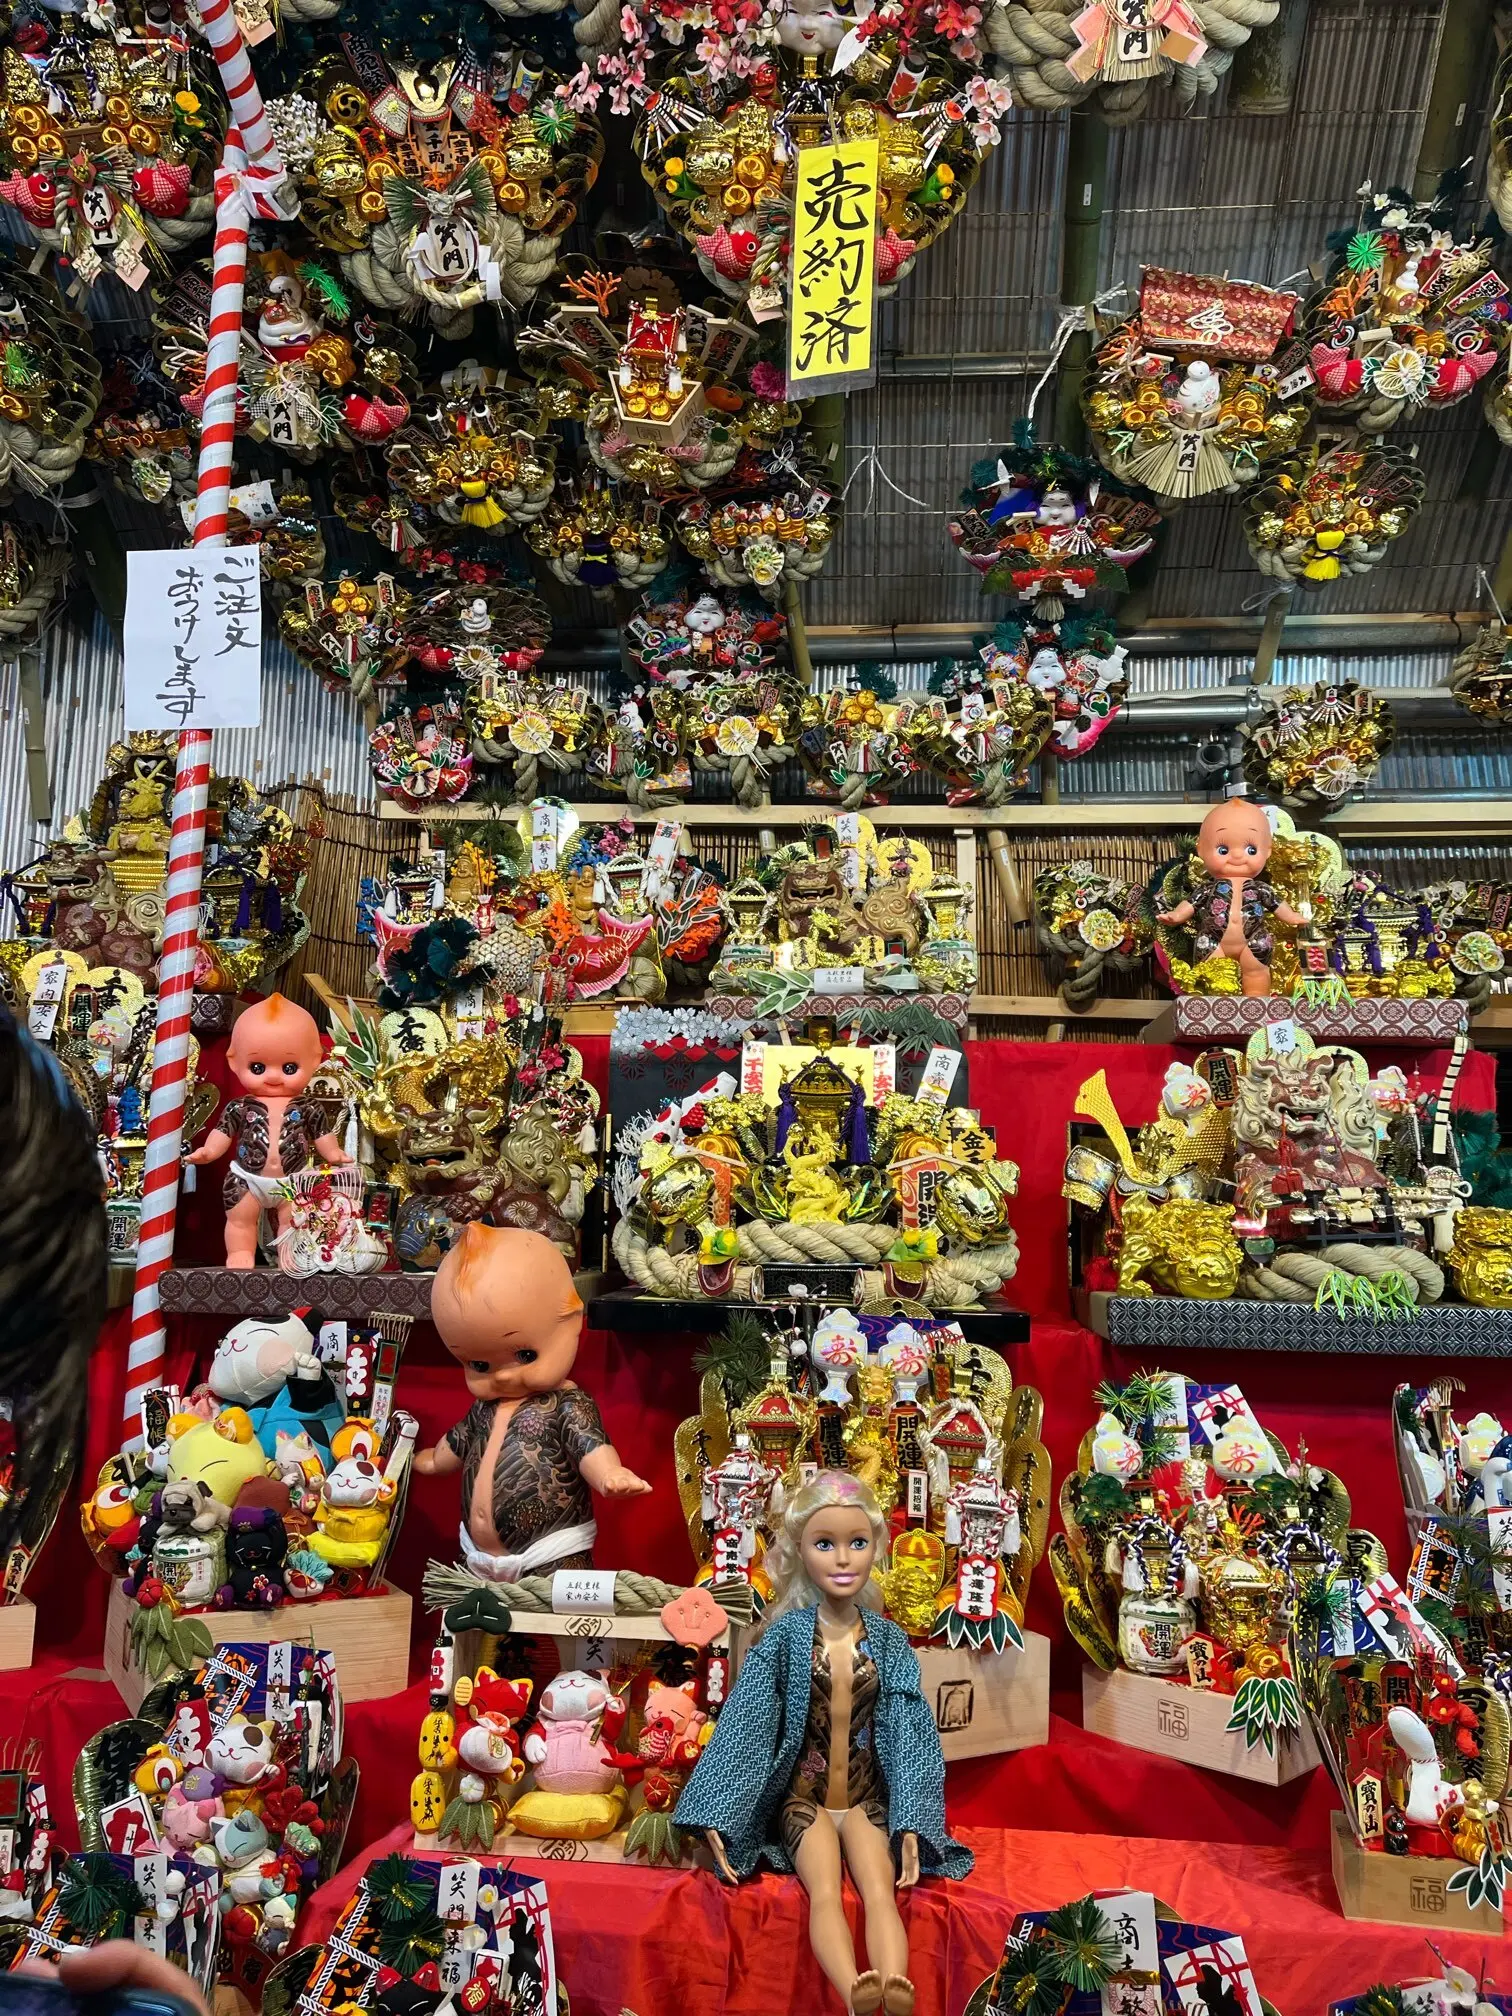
(474,1249)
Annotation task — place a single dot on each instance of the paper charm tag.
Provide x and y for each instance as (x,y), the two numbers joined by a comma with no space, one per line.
(940,1068)
(584,1592)
(545,838)
(467,1007)
(884,1071)
(1216,1409)
(278,1685)
(848,834)
(1499,1533)
(151,1876)
(128,1827)
(456,1958)
(752,1068)
(46,1000)
(331,1343)
(1129,1918)
(1220,1969)
(1281,1037)
(457,1892)
(190,1730)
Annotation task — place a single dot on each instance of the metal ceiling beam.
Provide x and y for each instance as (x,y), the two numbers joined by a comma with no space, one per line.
(906,643)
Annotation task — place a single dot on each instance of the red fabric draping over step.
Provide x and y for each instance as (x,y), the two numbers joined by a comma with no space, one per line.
(1340,1406)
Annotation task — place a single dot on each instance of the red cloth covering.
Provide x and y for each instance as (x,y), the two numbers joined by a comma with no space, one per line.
(654,1941)
(1340,1407)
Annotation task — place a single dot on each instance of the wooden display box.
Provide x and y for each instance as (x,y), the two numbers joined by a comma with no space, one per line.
(369,1635)
(986,1703)
(18,1630)
(1187,1723)
(1404,1889)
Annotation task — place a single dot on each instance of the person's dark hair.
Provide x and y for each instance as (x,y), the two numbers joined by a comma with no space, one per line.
(53,1270)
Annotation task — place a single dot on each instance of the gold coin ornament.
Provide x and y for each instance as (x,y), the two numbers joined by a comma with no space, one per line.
(108,144)
(1201,389)
(717,137)
(439,186)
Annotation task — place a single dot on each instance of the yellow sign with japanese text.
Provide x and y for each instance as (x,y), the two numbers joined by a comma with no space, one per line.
(832,292)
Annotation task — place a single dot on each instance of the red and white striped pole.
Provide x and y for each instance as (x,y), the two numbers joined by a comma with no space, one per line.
(234,203)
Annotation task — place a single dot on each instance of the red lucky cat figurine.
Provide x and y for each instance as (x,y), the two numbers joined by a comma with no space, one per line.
(274,1053)
(532,1447)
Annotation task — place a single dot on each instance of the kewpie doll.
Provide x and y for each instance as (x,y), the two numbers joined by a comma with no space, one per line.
(1234,844)
(532,1445)
(826,1751)
(274,1052)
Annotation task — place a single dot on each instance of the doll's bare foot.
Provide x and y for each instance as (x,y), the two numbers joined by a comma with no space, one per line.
(897,1996)
(866,1993)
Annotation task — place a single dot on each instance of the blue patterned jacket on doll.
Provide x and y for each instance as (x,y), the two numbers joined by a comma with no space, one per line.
(748,1768)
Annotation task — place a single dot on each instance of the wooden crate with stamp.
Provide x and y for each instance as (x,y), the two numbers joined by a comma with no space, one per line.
(1188,1723)
(589,1642)
(368,1634)
(987,1703)
(1404,1889)
(18,1630)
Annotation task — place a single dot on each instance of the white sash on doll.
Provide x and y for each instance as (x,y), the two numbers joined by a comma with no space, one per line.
(270,1191)
(539,1554)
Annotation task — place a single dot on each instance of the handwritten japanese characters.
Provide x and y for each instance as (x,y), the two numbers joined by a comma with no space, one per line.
(193,639)
(833,280)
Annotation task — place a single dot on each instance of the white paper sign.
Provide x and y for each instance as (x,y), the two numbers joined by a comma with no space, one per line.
(47,999)
(193,638)
(584,1592)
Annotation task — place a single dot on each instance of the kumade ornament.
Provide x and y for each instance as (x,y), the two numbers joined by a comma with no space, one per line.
(440,186)
(108,145)
(718,138)
(1411,314)
(1199,390)
(1327,512)
(1047,527)
(49,382)
(316,372)
(1317,745)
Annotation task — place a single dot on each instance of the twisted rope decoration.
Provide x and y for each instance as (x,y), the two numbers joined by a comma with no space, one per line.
(748,774)
(1151,1528)
(51,571)
(1034,38)
(1297,1277)
(635,1595)
(957,1282)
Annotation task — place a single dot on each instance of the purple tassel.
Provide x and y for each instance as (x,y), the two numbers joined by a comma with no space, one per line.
(244,909)
(787,1117)
(273,908)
